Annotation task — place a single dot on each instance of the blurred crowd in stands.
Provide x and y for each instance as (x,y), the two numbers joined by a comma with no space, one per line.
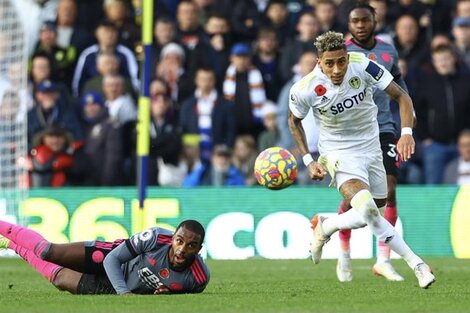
(221,73)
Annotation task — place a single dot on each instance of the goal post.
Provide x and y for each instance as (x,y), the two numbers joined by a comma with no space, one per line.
(13,108)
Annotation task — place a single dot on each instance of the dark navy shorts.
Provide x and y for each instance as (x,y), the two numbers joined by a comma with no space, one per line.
(95,252)
(388,144)
(92,284)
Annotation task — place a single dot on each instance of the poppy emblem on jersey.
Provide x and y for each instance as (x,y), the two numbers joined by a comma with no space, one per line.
(386,57)
(164,273)
(372,57)
(176,287)
(355,82)
(320,90)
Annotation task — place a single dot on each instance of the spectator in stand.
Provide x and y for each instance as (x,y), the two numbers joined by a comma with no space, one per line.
(437,17)
(56,161)
(191,157)
(208,115)
(103,142)
(190,34)
(462,8)
(270,136)
(461,32)
(409,7)
(40,71)
(90,14)
(119,13)
(308,29)
(121,106)
(205,8)
(245,20)
(158,86)
(164,32)
(62,59)
(171,69)
(408,43)
(107,63)
(69,33)
(219,172)
(276,16)
(383,27)
(458,170)
(244,157)
(442,99)
(217,28)
(107,36)
(325,11)
(243,84)
(165,138)
(51,110)
(266,59)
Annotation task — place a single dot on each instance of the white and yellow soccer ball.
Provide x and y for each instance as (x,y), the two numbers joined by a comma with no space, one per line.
(275,168)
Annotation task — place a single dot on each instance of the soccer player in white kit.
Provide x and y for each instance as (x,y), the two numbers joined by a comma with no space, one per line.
(339,91)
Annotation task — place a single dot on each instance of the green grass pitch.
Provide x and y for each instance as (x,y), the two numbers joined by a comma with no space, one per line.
(258,285)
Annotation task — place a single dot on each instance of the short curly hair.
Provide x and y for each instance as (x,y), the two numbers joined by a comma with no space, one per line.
(330,41)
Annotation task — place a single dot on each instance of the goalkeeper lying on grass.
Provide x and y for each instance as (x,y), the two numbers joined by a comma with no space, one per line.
(155,261)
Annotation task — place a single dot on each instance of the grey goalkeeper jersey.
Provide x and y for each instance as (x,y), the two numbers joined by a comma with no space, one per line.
(141,265)
(387,56)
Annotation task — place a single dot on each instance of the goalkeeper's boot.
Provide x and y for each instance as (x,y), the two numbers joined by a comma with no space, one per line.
(4,242)
(344,269)
(319,240)
(424,274)
(386,270)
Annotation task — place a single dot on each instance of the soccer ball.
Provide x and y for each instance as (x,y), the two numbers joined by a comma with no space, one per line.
(275,168)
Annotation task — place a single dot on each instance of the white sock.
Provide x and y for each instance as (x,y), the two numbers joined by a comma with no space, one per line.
(381,228)
(347,220)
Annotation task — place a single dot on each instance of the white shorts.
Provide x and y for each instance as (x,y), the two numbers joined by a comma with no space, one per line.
(366,167)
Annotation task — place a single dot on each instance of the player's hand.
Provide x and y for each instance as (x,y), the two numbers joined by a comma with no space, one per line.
(161,290)
(406,147)
(316,171)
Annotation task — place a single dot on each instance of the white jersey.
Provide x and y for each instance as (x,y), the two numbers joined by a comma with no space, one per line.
(346,114)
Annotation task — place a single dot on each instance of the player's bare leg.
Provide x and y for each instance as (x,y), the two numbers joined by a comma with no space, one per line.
(383,266)
(67,279)
(69,255)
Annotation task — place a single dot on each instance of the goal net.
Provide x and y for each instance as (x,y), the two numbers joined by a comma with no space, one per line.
(13,122)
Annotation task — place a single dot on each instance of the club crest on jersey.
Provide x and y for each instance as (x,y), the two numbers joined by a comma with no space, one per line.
(372,57)
(355,82)
(320,90)
(293,98)
(322,111)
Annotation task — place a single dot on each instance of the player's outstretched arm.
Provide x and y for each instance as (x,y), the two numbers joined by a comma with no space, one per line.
(406,143)
(298,132)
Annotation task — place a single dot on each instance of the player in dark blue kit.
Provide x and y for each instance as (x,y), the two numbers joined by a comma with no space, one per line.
(361,25)
(155,261)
